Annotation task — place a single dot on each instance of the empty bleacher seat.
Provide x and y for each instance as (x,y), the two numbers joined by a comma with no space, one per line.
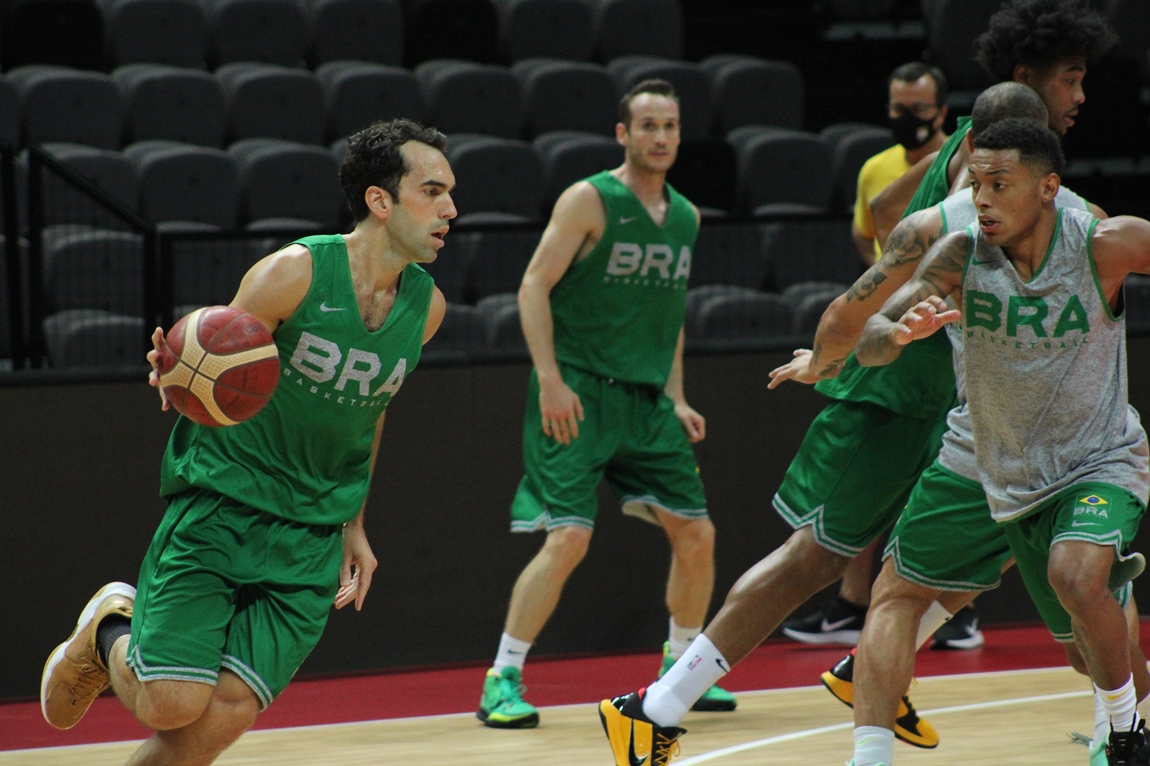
(91,338)
(463,329)
(728,254)
(780,165)
(563,95)
(283,179)
(449,269)
(354,30)
(848,154)
(809,250)
(505,331)
(465,97)
(496,260)
(268,101)
(185,182)
(155,31)
(638,27)
(743,316)
(691,81)
(169,102)
(463,29)
(797,292)
(754,91)
(208,272)
(810,308)
(573,157)
(58,104)
(952,27)
(110,171)
(63,32)
(268,31)
(559,29)
(497,175)
(86,268)
(697,296)
(356,94)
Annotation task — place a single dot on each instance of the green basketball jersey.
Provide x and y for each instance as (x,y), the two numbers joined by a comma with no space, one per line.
(920,383)
(618,311)
(306,456)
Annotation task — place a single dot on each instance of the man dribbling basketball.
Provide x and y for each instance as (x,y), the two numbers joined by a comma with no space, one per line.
(264,526)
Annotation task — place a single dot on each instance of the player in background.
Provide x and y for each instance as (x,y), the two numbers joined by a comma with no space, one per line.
(264,528)
(602,305)
(916,110)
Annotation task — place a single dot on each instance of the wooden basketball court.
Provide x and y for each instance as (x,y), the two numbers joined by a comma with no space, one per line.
(1009,717)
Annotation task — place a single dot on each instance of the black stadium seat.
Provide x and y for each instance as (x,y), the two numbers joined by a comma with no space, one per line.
(268,101)
(9,115)
(267,31)
(753,91)
(465,97)
(559,29)
(91,338)
(354,30)
(358,93)
(780,165)
(110,171)
(87,268)
(186,183)
(691,81)
(638,27)
(463,329)
(951,30)
(284,179)
(743,316)
(728,254)
(496,175)
(59,104)
(168,102)
(810,310)
(462,29)
(564,95)
(574,157)
(848,155)
(155,31)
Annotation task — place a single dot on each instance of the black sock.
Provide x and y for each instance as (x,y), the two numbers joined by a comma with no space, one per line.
(111,627)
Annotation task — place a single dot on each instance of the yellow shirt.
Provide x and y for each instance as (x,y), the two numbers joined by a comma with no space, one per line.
(877,173)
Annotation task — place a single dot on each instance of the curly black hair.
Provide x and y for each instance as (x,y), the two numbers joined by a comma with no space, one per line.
(1038,146)
(1039,34)
(374,159)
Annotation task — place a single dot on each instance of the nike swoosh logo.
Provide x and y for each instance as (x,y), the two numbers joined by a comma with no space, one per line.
(628,220)
(827,627)
(722,667)
(631,755)
(983,263)
(1084,523)
(324,307)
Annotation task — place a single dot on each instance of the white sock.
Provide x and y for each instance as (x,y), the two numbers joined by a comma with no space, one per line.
(1101,722)
(873,745)
(933,619)
(512,652)
(668,699)
(679,638)
(1120,705)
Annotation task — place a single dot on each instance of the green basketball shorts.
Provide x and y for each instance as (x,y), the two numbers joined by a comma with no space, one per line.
(854,471)
(224,585)
(1091,512)
(630,435)
(946,538)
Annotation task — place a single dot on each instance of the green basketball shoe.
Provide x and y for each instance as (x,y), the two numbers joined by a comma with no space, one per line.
(502,705)
(715,699)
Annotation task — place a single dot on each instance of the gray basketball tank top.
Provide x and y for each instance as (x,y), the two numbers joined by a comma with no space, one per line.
(957,454)
(1045,368)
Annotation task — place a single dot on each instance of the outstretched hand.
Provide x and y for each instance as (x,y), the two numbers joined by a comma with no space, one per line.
(923,319)
(798,369)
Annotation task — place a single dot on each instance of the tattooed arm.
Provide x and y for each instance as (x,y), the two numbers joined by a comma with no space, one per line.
(918,309)
(843,321)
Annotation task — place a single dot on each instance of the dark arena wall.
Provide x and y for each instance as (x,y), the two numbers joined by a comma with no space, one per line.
(79,471)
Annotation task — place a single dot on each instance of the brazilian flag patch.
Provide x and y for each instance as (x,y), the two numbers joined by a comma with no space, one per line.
(1092,500)
(1091,506)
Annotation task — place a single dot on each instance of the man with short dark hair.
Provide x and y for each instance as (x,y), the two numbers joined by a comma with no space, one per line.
(264,527)
(1062,461)
(602,306)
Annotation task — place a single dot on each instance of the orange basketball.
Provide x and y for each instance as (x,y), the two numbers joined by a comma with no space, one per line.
(219,366)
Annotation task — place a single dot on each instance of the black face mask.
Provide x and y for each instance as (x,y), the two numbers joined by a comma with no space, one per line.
(910,131)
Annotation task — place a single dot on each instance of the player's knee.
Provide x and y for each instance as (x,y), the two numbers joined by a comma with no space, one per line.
(236,704)
(695,539)
(802,548)
(1075,582)
(568,545)
(167,705)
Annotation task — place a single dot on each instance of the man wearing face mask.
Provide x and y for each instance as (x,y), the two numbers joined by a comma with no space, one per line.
(917,110)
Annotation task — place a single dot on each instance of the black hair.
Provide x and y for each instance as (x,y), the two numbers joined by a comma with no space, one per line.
(1039,34)
(655,87)
(374,159)
(1038,146)
(1007,99)
(914,70)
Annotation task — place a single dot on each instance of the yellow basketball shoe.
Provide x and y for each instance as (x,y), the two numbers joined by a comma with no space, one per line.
(908,727)
(74,674)
(635,739)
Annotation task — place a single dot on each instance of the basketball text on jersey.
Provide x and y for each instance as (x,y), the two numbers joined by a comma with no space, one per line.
(628,259)
(986,310)
(318,359)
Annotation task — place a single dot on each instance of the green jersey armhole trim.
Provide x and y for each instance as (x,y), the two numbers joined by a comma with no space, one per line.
(1094,274)
(1050,247)
(945,223)
(970,237)
(310,286)
(576,261)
